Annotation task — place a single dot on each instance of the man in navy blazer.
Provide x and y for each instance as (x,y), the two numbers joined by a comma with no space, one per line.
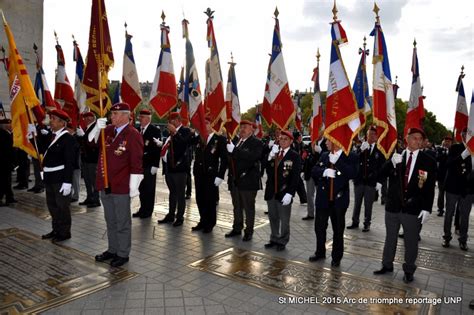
(332,174)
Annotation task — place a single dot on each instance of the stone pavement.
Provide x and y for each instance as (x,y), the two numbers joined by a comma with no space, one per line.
(167,284)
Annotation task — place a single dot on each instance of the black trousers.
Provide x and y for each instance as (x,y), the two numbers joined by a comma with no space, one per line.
(6,183)
(338,222)
(206,198)
(58,206)
(23,170)
(147,192)
(301,191)
(177,185)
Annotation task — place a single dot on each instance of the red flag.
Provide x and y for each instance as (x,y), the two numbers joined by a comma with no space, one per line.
(415,109)
(100,59)
(461,117)
(130,88)
(214,96)
(63,92)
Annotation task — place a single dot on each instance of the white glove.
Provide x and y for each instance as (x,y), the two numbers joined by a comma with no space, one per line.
(465,153)
(317,148)
(230,147)
(42,175)
(271,143)
(80,132)
(364,146)
(65,189)
(329,172)
(333,158)
(396,159)
(218,181)
(101,123)
(154,170)
(378,186)
(286,199)
(424,216)
(135,180)
(29,135)
(31,129)
(44,132)
(274,151)
(158,142)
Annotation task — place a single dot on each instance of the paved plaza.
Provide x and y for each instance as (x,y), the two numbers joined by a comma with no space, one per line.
(177,271)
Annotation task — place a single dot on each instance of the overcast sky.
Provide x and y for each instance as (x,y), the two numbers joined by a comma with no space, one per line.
(443,29)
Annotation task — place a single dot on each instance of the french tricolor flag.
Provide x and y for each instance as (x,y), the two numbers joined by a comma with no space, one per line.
(461,117)
(470,127)
(164,96)
(415,110)
(317,117)
(79,93)
(130,92)
(342,116)
(266,107)
(232,103)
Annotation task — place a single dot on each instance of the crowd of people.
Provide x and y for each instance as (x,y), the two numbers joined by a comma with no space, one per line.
(119,161)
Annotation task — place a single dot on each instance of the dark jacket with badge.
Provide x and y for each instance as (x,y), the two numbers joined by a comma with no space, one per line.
(346,169)
(285,173)
(60,154)
(420,192)
(244,166)
(151,152)
(459,177)
(370,164)
(211,158)
(177,154)
(442,159)
(89,149)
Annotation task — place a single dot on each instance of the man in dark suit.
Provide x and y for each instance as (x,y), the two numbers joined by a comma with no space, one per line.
(411,181)
(297,146)
(58,166)
(89,158)
(123,156)
(6,162)
(175,157)
(459,186)
(151,163)
(209,170)
(332,174)
(442,158)
(365,183)
(283,173)
(244,179)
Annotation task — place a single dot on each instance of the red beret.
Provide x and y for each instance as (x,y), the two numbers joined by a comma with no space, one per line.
(145,112)
(174,115)
(88,114)
(120,107)
(247,122)
(60,114)
(416,130)
(287,133)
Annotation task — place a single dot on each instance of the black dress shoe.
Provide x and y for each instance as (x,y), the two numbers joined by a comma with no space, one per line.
(94,205)
(187,197)
(207,230)
(20,187)
(198,227)
(233,233)
(84,203)
(165,220)
(178,222)
(31,189)
(383,271)
(48,236)
(105,256)
(335,263)
(137,215)
(314,258)
(463,246)
(11,201)
(280,247)
(353,226)
(408,277)
(307,218)
(38,190)
(366,228)
(269,245)
(119,261)
(445,244)
(265,212)
(145,216)
(247,237)
(60,238)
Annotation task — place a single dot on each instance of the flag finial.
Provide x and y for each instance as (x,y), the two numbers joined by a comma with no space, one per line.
(396,79)
(414,42)
(365,42)
(3,17)
(462,72)
(56,37)
(334,11)
(276,13)
(232,63)
(185,28)
(163,16)
(209,13)
(318,55)
(376,10)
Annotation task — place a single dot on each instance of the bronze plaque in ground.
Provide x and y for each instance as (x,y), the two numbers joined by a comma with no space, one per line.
(452,262)
(36,275)
(301,282)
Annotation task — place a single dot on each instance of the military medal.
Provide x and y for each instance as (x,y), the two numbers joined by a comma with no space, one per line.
(121,148)
(422,177)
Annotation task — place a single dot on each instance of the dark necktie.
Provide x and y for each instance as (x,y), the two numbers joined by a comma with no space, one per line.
(407,170)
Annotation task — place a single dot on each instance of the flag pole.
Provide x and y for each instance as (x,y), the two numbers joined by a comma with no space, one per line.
(100,67)
(35,144)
